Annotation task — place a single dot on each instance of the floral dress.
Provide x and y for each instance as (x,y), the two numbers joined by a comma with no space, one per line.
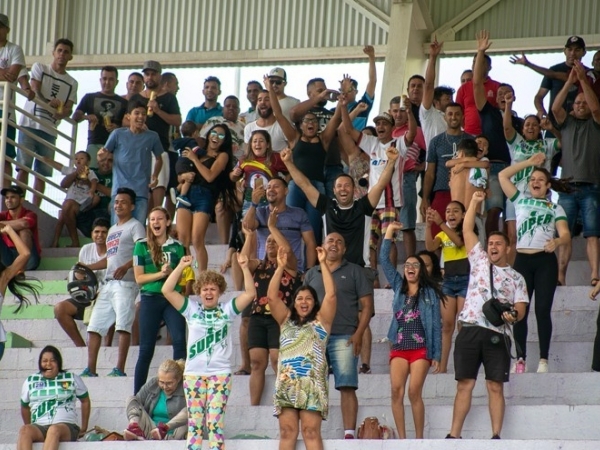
(302,381)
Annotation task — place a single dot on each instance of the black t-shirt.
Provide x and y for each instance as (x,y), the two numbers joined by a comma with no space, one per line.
(101,105)
(323,115)
(554,86)
(169,104)
(493,128)
(353,223)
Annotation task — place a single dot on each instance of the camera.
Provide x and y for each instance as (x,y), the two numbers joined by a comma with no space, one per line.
(493,310)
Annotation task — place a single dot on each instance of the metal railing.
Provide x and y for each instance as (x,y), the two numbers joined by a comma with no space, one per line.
(71,138)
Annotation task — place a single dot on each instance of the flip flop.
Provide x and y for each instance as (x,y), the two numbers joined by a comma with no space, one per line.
(594,281)
(241,372)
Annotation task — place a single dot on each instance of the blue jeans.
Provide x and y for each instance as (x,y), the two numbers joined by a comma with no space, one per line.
(297,198)
(584,201)
(2,345)
(153,309)
(38,148)
(140,213)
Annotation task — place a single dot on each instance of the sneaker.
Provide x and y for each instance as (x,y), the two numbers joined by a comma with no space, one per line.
(182,199)
(87,373)
(364,369)
(348,436)
(542,366)
(116,373)
(133,433)
(496,436)
(173,195)
(519,366)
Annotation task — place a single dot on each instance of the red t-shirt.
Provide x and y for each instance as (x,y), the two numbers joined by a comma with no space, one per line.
(466,99)
(31,219)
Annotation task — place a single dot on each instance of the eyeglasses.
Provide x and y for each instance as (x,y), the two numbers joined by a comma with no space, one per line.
(167,384)
(276,82)
(412,265)
(309,120)
(219,135)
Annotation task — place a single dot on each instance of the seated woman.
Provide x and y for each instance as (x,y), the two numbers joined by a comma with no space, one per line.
(159,411)
(48,404)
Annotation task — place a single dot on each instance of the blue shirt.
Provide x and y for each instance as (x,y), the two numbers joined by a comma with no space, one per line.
(360,121)
(133,153)
(200,114)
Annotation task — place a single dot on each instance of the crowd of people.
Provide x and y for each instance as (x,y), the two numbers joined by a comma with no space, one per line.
(311,201)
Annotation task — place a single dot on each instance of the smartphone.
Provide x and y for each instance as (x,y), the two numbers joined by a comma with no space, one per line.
(333,96)
(258,183)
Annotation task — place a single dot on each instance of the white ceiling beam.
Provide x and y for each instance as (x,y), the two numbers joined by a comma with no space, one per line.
(516,45)
(195,59)
(448,30)
(371,12)
(421,16)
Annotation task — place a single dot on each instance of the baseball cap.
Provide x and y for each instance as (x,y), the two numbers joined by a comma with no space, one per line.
(4,20)
(384,116)
(14,189)
(278,72)
(575,41)
(152,65)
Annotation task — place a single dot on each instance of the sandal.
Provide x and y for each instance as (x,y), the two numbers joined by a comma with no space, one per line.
(594,281)
(241,372)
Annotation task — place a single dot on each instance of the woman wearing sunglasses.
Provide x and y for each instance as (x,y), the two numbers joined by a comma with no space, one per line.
(309,148)
(206,174)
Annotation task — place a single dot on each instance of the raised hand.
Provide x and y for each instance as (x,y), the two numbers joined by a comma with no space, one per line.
(434,216)
(272,220)
(321,255)
(286,155)
(483,40)
(369,51)
(509,98)
(478,197)
(282,257)
(395,226)
(580,71)
(522,60)
(267,82)
(186,261)
(392,153)
(435,48)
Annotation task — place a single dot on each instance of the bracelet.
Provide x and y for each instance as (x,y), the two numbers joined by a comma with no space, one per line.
(254,204)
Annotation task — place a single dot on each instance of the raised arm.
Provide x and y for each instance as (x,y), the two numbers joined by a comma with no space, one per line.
(328,134)
(589,94)
(560,114)
(311,192)
(346,121)
(483,43)
(469,235)
(538,101)
(434,216)
(250,218)
(390,271)
(435,49)
(279,310)
(432,243)
(410,135)
(282,242)
(523,61)
(386,176)
(168,290)
(509,189)
(249,294)
(509,130)
(328,306)
(291,134)
(370,52)
(298,111)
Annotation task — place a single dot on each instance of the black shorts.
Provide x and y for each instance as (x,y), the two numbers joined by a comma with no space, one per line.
(475,345)
(80,308)
(247,311)
(263,332)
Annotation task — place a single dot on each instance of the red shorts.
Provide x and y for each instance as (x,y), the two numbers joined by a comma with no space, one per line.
(410,355)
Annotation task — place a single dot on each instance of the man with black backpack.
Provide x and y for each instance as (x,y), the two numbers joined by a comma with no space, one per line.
(496,298)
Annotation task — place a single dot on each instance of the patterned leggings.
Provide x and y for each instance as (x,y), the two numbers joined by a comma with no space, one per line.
(206,401)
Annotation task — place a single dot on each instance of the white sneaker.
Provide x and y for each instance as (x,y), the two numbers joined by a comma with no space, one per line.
(173,195)
(542,366)
(519,366)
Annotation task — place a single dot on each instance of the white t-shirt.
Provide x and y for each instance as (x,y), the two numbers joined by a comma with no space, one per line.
(536,220)
(53,85)
(478,176)
(432,123)
(89,255)
(209,337)
(119,246)
(53,400)
(521,150)
(287,104)
(509,287)
(79,191)
(376,151)
(10,55)
(278,141)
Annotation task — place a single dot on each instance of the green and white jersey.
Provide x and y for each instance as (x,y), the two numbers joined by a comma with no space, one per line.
(478,176)
(53,400)
(521,150)
(209,342)
(172,252)
(536,221)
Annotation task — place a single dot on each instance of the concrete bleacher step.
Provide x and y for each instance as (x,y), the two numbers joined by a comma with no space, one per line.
(332,444)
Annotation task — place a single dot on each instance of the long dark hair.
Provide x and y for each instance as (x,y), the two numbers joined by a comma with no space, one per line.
(436,270)
(556,184)
(459,227)
(57,356)
(20,285)
(425,281)
(226,186)
(312,315)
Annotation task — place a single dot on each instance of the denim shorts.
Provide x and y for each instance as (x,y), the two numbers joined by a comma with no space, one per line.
(455,286)
(408,212)
(584,202)
(496,197)
(342,361)
(201,199)
(509,212)
(36,147)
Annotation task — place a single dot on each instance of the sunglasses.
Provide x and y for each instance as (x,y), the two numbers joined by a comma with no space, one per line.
(276,82)
(219,135)
(412,265)
(309,120)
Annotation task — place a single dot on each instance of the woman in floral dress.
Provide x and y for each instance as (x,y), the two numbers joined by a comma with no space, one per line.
(301,390)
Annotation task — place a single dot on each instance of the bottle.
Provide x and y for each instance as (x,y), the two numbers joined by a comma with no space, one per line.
(107,120)
(402,107)
(60,107)
(152,97)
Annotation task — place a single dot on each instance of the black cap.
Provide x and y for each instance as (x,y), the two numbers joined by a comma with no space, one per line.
(14,189)
(575,41)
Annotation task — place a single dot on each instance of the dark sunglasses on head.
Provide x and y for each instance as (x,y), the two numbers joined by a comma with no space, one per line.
(217,134)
